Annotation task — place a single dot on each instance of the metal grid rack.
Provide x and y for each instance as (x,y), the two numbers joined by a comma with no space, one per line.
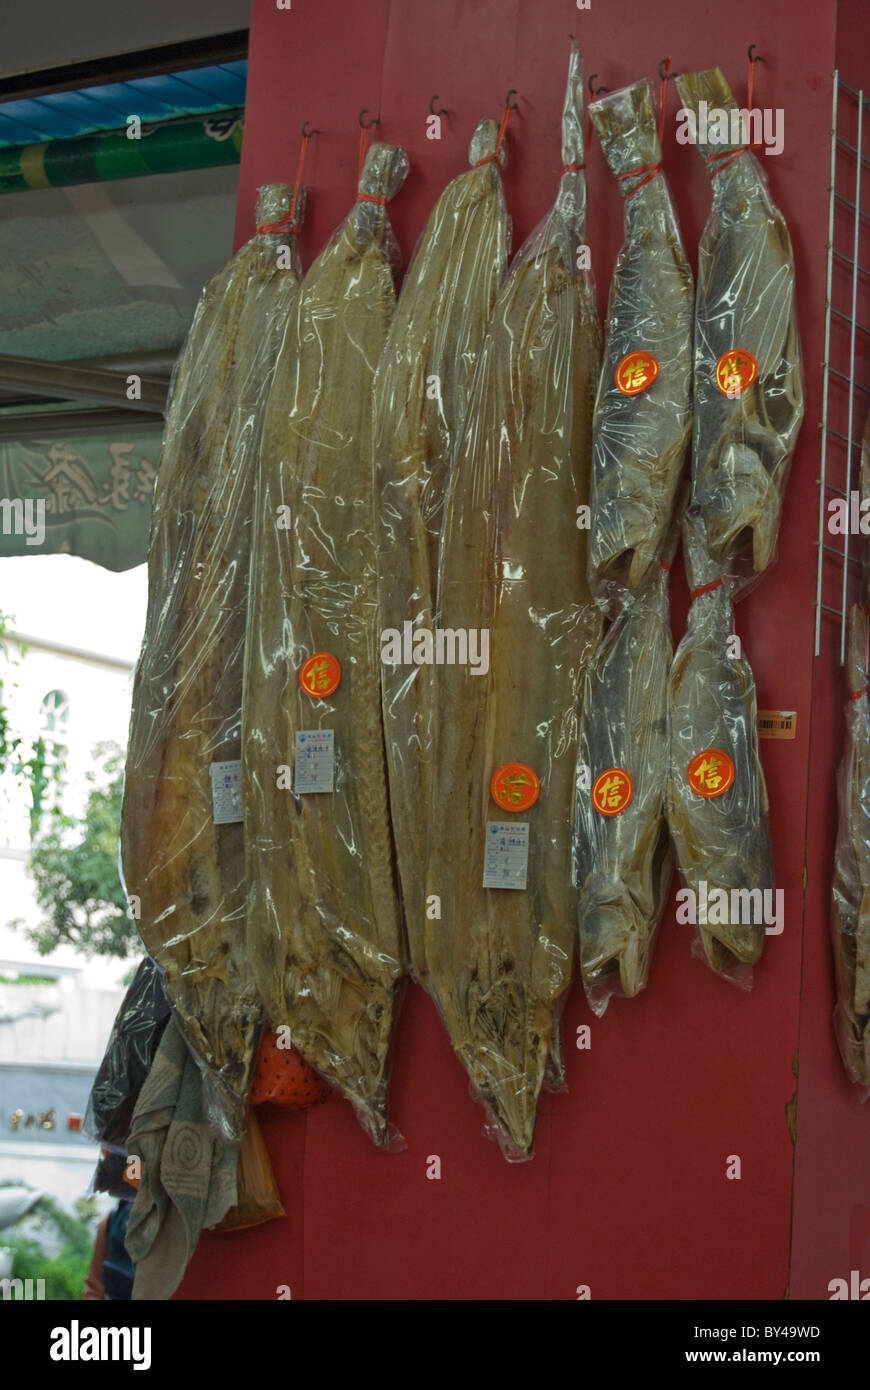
(846,366)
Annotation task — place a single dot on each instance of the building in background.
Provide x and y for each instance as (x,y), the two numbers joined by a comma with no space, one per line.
(75,634)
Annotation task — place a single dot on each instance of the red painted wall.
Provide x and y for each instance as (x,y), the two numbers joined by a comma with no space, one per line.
(627,1192)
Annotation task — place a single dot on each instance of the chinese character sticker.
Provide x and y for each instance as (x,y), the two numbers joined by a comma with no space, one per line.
(636,372)
(515,787)
(319,675)
(710,773)
(612,791)
(735,370)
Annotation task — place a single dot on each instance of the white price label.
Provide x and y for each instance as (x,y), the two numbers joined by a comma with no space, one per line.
(506,857)
(315,761)
(226,791)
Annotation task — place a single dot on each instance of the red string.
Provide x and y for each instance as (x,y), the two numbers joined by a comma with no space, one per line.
(488,159)
(665,566)
(285,222)
(704,589)
(570,168)
(372,198)
(650,170)
(297,182)
(856,694)
(503,127)
(663,97)
(722,158)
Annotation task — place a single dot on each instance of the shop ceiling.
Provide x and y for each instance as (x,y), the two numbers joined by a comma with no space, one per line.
(99,277)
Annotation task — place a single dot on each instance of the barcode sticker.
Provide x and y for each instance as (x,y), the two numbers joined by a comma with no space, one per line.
(315,761)
(226,791)
(777,723)
(506,856)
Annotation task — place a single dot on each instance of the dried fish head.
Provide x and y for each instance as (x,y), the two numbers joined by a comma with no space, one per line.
(499,958)
(748,381)
(421,392)
(719,828)
(323,930)
(643,406)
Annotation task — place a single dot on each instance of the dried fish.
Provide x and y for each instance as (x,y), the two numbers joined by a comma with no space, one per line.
(851,884)
(622,847)
(513,563)
(716,798)
(421,396)
(748,383)
(643,406)
(186,870)
(323,912)
(864,491)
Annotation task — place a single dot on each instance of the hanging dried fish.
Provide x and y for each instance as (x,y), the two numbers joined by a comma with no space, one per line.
(421,397)
(643,406)
(851,885)
(622,847)
(323,913)
(182,861)
(864,491)
(748,383)
(512,565)
(716,798)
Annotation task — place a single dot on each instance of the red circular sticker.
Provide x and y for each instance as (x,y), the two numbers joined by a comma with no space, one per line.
(515,787)
(319,675)
(612,790)
(710,773)
(735,370)
(636,372)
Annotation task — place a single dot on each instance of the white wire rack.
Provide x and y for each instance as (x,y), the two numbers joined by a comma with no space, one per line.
(845,377)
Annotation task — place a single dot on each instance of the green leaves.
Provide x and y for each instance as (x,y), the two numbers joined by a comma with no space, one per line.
(75,865)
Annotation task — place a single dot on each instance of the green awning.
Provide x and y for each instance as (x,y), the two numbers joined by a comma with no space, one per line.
(83,496)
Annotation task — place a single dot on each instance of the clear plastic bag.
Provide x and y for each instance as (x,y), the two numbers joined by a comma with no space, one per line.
(257,1196)
(864,490)
(513,567)
(421,396)
(323,922)
(182,835)
(130,1051)
(716,797)
(850,922)
(622,851)
(643,409)
(748,381)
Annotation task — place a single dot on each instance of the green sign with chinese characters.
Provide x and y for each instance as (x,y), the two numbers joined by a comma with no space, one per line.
(89,497)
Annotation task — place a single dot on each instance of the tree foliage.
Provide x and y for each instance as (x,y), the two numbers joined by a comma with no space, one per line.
(26,762)
(75,865)
(64,1273)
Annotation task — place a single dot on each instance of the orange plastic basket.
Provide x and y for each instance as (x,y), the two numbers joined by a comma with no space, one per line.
(283,1077)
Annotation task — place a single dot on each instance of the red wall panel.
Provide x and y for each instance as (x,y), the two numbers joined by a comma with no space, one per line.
(627,1192)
